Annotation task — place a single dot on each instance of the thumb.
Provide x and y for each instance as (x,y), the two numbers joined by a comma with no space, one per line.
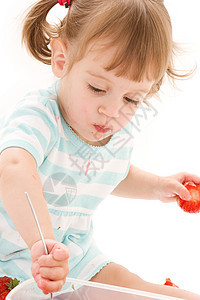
(60,253)
(183,193)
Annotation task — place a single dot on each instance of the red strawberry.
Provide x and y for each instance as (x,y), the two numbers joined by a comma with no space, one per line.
(12,284)
(4,294)
(168,282)
(6,285)
(192,206)
(3,286)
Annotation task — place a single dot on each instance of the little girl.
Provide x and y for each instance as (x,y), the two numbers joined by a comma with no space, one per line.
(69,146)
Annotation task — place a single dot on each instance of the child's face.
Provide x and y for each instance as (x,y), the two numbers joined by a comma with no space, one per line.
(90,96)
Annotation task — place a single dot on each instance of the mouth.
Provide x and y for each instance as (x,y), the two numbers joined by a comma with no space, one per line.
(102,128)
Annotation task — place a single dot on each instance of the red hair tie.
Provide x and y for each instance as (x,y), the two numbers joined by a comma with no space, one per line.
(67,3)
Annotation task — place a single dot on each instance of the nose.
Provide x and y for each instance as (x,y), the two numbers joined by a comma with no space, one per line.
(110,110)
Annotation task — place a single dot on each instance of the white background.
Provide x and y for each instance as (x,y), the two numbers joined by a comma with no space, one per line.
(152,239)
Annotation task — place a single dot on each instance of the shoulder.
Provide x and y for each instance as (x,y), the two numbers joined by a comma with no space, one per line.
(42,101)
(41,98)
(37,109)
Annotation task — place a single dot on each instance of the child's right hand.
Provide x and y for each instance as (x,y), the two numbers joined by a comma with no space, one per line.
(50,271)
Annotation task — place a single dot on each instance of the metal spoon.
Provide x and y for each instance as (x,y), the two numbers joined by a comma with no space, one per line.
(38,226)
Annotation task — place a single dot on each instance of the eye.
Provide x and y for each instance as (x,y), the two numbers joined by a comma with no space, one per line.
(135,102)
(94,89)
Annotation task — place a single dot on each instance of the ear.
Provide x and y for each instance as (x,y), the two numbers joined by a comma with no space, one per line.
(58,57)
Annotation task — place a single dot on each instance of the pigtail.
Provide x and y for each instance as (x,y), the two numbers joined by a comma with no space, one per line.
(37,32)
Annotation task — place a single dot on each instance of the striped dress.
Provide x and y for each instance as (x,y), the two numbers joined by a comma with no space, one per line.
(75,176)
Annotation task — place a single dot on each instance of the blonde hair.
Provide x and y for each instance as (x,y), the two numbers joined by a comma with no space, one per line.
(140,31)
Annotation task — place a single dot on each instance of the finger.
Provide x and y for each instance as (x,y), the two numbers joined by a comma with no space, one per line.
(183,193)
(60,254)
(191,177)
(177,198)
(37,278)
(38,249)
(55,274)
(168,199)
(35,269)
(49,261)
(48,286)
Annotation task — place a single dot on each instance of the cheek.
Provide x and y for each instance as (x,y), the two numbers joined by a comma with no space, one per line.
(86,107)
(127,113)
(123,123)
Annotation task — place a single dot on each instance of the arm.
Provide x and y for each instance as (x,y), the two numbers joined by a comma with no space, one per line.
(140,184)
(18,174)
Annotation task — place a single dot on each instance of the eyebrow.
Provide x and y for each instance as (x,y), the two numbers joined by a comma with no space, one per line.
(104,78)
(98,76)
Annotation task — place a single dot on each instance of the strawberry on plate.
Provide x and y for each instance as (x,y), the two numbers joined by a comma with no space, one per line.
(4,294)
(3,281)
(6,285)
(168,282)
(193,205)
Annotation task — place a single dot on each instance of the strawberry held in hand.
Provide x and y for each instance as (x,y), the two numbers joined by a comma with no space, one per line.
(6,285)
(192,206)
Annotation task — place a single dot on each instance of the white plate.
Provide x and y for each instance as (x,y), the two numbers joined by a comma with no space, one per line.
(82,290)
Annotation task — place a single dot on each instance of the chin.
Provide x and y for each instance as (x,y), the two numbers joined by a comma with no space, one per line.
(95,138)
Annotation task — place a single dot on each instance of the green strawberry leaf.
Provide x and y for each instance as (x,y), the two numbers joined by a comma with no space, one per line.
(13,283)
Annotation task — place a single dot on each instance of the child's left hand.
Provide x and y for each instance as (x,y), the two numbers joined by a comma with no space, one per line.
(170,188)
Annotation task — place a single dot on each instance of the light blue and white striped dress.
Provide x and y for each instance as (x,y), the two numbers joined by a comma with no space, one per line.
(76,177)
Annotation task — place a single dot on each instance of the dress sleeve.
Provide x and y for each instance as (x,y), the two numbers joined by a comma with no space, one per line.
(32,126)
